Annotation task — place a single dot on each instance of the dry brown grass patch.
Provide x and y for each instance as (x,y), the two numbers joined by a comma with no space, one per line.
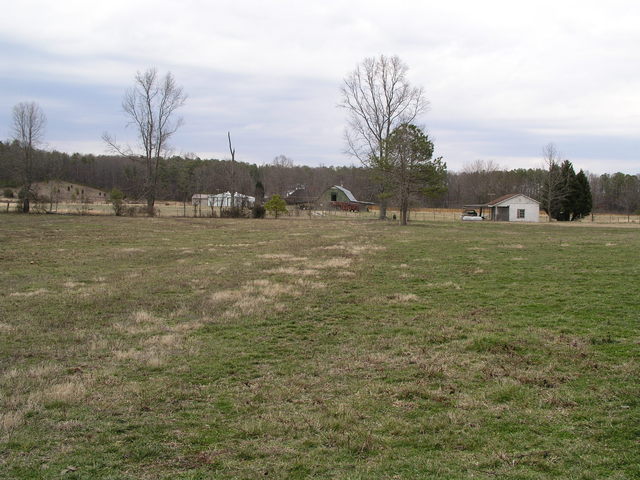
(295,272)
(261,283)
(225,296)
(310,284)
(170,340)
(7,328)
(142,316)
(255,296)
(403,297)
(248,306)
(448,284)
(275,256)
(150,357)
(68,425)
(131,250)
(338,262)
(67,392)
(33,293)
(353,249)
(346,274)
(11,420)
(43,370)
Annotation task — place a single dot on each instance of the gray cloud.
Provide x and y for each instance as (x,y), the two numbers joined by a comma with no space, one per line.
(504,78)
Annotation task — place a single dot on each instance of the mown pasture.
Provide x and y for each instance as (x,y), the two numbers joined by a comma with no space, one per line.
(317,348)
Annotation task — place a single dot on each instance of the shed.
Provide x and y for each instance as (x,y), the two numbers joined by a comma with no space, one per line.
(200,199)
(514,207)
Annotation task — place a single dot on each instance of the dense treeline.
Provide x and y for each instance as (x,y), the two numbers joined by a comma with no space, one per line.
(182,177)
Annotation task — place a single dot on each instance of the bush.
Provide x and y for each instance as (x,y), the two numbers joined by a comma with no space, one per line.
(136,210)
(24,193)
(116,197)
(8,193)
(233,212)
(276,205)
(258,211)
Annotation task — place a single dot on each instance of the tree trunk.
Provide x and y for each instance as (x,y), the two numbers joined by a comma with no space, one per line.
(404,210)
(383,209)
(25,205)
(150,203)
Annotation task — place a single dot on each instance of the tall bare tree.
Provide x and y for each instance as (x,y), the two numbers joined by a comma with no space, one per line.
(232,172)
(482,180)
(151,108)
(378,97)
(280,175)
(553,190)
(28,126)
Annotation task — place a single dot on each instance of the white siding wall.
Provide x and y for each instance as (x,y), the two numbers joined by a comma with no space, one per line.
(531,209)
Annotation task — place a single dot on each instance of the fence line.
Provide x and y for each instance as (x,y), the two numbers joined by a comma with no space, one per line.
(177,209)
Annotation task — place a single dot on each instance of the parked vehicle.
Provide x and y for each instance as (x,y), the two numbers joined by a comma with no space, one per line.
(471,216)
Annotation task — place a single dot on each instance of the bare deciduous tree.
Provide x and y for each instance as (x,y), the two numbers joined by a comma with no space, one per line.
(280,178)
(151,106)
(378,97)
(552,190)
(483,180)
(232,172)
(28,130)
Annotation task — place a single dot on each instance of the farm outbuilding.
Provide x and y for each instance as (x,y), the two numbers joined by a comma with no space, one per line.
(340,198)
(224,200)
(514,207)
(300,197)
(200,199)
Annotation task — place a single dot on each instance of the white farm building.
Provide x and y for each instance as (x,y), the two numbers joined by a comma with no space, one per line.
(222,200)
(514,207)
(225,200)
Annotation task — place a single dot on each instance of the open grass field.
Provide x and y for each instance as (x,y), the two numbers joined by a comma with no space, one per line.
(326,348)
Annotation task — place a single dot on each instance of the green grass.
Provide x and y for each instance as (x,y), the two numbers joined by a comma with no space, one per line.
(195,348)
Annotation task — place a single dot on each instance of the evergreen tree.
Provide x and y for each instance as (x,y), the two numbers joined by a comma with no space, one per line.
(276,205)
(410,168)
(553,192)
(584,201)
(259,193)
(571,198)
(568,187)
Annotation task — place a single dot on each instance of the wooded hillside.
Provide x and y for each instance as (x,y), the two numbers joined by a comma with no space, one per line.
(182,177)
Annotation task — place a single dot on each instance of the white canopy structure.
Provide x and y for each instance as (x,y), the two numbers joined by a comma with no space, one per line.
(224,200)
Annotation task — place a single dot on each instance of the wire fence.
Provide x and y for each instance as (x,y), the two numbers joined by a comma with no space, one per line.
(178,209)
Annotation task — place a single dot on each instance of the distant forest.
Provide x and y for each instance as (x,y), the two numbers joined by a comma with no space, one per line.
(183,177)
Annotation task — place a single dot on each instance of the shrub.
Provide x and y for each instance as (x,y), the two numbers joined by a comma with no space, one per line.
(233,212)
(258,211)
(275,205)
(136,210)
(8,193)
(116,197)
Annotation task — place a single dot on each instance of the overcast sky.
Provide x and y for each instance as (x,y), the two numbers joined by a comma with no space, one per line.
(503,78)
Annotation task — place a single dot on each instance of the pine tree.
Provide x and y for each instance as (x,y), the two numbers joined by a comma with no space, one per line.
(570,193)
(584,201)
